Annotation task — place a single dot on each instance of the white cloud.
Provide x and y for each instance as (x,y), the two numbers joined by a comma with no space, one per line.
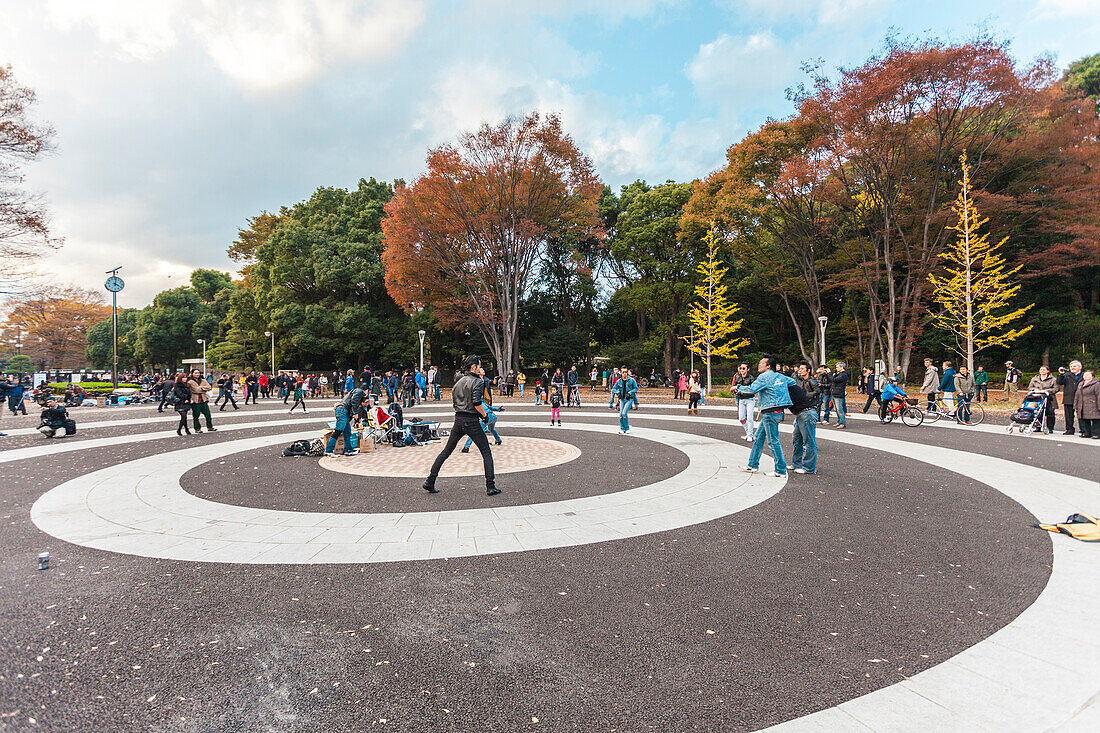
(730,69)
(1051,9)
(260,45)
(808,12)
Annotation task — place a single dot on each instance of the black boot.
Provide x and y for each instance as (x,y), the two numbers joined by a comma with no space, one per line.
(429,486)
(464,450)
(491,490)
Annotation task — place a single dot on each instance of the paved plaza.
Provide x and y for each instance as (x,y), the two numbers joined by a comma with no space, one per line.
(624,583)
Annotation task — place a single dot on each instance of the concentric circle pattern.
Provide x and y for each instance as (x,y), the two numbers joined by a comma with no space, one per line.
(513,455)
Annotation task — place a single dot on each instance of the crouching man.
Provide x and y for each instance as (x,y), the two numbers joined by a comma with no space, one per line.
(56,422)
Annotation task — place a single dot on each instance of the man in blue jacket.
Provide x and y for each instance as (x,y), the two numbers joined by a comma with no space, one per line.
(947,385)
(773,396)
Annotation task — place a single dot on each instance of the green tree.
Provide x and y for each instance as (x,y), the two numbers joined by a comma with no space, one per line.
(98,350)
(654,260)
(1083,76)
(164,334)
(19,364)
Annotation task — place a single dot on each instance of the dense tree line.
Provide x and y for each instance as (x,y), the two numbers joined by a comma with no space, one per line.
(509,246)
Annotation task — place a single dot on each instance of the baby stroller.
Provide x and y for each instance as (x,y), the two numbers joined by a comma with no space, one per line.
(1029,418)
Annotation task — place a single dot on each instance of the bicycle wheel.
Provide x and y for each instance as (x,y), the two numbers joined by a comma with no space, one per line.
(933,413)
(977,414)
(912,416)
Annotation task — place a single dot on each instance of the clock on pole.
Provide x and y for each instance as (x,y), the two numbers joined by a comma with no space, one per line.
(114,284)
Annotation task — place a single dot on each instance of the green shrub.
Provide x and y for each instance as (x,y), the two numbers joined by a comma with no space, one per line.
(720,393)
(92,388)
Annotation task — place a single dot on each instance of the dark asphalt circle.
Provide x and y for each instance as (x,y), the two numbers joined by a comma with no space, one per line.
(262,478)
(874,569)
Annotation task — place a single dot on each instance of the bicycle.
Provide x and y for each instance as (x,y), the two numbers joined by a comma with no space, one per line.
(971,412)
(911,416)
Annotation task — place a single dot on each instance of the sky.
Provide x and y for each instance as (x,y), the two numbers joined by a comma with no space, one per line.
(176,120)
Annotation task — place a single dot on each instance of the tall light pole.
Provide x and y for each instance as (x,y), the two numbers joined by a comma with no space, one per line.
(824,320)
(422,333)
(691,350)
(203,342)
(272,335)
(114,284)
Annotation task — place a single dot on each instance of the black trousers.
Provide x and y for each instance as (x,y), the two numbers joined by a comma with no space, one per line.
(251,394)
(465,426)
(225,396)
(1068,411)
(875,396)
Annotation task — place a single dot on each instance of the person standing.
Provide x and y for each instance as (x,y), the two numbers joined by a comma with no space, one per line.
(467,397)
(16,393)
(947,385)
(521,381)
(611,388)
(838,391)
(805,421)
(746,402)
(437,383)
(432,374)
(681,386)
(694,392)
(981,384)
(1044,383)
(349,382)
(1069,381)
(421,386)
(964,392)
(573,380)
(626,389)
(251,387)
(774,397)
(1012,382)
(166,390)
(593,379)
(555,407)
(556,382)
(1087,402)
(347,411)
(200,400)
(265,385)
(931,385)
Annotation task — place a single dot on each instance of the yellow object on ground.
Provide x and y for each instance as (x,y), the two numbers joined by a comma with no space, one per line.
(1079,526)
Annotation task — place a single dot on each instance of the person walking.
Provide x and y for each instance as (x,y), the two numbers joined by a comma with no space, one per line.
(467,397)
(225,393)
(838,391)
(804,458)
(180,399)
(200,400)
(1087,402)
(626,389)
(166,388)
(1044,383)
(872,389)
(421,386)
(931,385)
(300,396)
(774,397)
(694,392)
(964,392)
(981,384)
(746,403)
(947,385)
(252,387)
(1012,382)
(611,388)
(1069,381)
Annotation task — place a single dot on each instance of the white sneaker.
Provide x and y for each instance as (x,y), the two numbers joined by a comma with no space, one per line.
(329,455)
(773,474)
(746,469)
(749,438)
(800,470)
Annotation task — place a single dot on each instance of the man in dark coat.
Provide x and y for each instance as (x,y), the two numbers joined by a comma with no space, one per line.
(467,396)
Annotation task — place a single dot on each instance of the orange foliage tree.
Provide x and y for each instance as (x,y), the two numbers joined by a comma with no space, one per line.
(55,325)
(468,236)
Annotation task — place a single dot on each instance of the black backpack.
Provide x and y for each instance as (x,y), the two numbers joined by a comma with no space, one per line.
(800,401)
(297,448)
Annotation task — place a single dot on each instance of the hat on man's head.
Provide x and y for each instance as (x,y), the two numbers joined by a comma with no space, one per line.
(1008,363)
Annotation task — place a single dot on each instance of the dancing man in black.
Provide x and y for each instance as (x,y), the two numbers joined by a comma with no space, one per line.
(469,410)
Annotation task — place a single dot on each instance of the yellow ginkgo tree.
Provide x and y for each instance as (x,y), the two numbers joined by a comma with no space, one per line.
(712,315)
(975,291)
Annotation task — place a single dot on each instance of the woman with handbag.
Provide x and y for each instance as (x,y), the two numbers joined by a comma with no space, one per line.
(180,399)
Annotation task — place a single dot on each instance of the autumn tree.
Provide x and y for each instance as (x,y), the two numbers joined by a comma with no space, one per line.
(895,126)
(975,291)
(56,323)
(24,225)
(467,236)
(712,314)
(770,199)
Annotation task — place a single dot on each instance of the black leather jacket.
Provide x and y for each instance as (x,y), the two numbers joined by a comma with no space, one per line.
(467,394)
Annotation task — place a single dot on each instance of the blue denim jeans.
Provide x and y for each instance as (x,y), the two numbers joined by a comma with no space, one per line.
(489,425)
(768,430)
(520,386)
(805,440)
(625,406)
(343,425)
(841,406)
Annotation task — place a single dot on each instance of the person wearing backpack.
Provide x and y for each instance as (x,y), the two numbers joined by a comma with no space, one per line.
(805,397)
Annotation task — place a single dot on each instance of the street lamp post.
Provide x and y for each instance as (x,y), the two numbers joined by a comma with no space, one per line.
(203,342)
(692,349)
(422,333)
(272,335)
(824,320)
